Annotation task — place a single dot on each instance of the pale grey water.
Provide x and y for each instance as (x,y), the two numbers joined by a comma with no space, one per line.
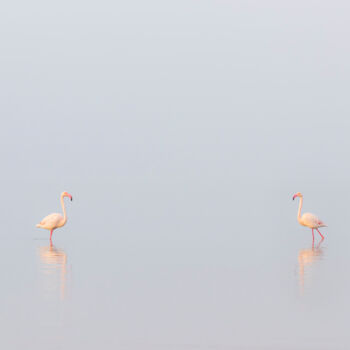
(182,131)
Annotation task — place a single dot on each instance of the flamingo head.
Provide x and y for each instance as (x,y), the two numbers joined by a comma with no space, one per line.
(298,194)
(66,194)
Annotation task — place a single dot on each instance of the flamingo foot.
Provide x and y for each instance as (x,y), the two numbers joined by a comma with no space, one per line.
(320,233)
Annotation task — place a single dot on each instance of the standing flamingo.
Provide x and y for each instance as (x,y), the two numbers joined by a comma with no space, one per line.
(308,219)
(55,220)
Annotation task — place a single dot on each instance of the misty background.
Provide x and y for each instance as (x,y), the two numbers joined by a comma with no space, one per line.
(182,130)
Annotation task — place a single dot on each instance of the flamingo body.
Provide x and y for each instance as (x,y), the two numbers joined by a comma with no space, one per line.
(311,220)
(52,221)
(55,220)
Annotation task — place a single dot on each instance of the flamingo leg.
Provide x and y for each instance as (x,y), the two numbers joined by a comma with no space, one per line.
(51,234)
(313,237)
(320,233)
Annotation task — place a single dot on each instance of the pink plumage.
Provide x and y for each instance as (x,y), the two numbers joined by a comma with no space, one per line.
(55,220)
(308,219)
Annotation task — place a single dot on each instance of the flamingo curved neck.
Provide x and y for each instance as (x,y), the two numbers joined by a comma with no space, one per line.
(64,211)
(299,210)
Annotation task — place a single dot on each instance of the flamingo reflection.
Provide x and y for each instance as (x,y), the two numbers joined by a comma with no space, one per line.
(54,268)
(306,258)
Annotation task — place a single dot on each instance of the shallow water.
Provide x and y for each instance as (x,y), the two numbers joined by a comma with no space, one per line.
(182,131)
(214,279)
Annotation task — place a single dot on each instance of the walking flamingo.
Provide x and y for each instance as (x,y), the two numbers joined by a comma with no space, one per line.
(308,219)
(55,220)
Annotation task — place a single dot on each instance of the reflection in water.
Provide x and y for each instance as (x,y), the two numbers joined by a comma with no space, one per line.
(306,258)
(54,269)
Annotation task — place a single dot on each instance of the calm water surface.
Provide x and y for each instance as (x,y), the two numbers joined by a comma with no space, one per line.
(176,281)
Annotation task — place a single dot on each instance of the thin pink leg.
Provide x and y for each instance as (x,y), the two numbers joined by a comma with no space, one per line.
(320,233)
(51,234)
(313,237)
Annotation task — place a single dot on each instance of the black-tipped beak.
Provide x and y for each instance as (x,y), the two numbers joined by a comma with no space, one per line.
(293,198)
(71,198)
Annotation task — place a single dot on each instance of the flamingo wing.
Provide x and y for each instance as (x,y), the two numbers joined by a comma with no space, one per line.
(51,221)
(311,220)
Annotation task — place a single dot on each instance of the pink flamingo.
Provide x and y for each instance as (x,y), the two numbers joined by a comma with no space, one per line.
(308,219)
(55,220)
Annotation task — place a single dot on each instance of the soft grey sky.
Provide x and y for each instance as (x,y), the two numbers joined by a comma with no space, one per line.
(182,129)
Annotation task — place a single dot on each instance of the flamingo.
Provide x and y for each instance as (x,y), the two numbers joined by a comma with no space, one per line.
(55,220)
(308,219)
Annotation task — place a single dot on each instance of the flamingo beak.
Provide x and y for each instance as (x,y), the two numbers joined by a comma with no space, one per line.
(71,198)
(294,197)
